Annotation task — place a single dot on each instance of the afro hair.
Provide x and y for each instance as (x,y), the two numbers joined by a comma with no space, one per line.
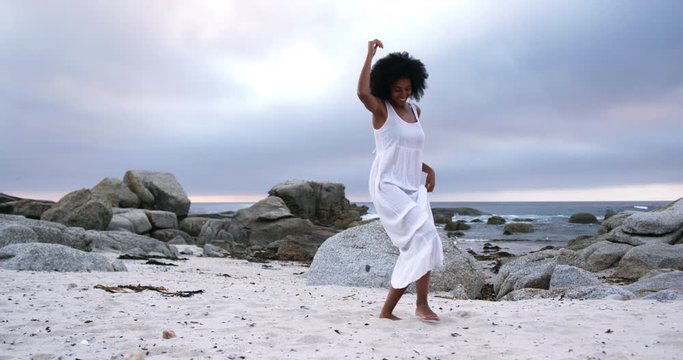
(396,66)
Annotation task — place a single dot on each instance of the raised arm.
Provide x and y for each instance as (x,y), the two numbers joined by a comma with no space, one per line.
(372,103)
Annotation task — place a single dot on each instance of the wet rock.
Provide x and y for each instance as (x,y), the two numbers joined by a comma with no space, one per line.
(495,220)
(583,218)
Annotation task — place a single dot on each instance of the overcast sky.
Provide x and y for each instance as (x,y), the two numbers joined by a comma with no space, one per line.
(526,100)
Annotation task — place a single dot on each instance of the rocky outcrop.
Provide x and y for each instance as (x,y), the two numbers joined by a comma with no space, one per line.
(364,256)
(53,257)
(266,230)
(116,192)
(158,191)
(322,203)
(632,246)
(81,208)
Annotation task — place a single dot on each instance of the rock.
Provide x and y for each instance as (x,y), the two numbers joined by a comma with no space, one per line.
(598,292)
(158,191)
(608,214)
(603,255)
(456,226)
(162,219)
(32,209)
(16,234)
(82,209)
(613,222)
(116,192)
(618,235)
(192,225)
(46,231)
(214,229)
(132,220)
(364,256)
(570,276)
(122,241)
(583,218)
(532,270)
(178,240)
(641,259)
(7,198)
(442,216)
(322,203)
(168,334)
(672,280)
(665,295)
(512,228)
(214,251)
(582,242)
(495,220)
(52,257)
(166,235)
(662,221)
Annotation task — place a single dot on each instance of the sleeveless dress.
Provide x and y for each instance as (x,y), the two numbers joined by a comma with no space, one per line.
(401,200)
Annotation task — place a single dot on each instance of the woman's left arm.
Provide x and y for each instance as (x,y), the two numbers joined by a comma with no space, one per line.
(431,177)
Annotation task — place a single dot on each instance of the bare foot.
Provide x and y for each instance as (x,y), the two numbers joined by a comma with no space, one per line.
(389,316)
(426,313)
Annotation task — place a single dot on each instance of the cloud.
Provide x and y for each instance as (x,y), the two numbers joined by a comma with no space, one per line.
(234,97)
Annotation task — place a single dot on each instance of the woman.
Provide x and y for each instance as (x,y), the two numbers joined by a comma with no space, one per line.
(396,175)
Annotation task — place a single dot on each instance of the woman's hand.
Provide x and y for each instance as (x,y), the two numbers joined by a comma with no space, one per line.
(431,177)
(373,45)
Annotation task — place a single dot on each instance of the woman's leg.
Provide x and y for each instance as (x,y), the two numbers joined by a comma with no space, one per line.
(422,309)
(393,297)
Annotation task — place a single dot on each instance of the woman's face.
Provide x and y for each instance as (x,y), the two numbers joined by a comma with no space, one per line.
(401,90)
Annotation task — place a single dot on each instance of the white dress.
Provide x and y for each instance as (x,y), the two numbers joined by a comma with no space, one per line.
(400,198)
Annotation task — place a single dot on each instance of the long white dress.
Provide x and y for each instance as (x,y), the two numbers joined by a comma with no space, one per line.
(400,198)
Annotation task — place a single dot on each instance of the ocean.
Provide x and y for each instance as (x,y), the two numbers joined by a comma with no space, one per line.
(550,219)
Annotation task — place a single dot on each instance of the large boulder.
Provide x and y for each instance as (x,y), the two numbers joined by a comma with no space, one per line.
(364,256)
(571,276)
(641,259)
(45,231)
(162,219)
(133,220)
(118,193)
(81,208)
(614,222)
(158,191)
(603,255)
(53,257)
(533,270)
(662,221)
(322,203)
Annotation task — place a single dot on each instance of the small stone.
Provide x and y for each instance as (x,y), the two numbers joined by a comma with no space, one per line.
(168,334)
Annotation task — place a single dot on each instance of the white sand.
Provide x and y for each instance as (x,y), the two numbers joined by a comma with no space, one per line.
(270,313)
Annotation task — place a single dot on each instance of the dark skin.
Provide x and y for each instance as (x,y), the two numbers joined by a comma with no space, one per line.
(401,91)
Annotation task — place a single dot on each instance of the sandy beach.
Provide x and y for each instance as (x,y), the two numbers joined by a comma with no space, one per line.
(266,311)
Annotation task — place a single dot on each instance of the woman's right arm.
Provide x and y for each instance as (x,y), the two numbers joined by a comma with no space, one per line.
(371,102)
